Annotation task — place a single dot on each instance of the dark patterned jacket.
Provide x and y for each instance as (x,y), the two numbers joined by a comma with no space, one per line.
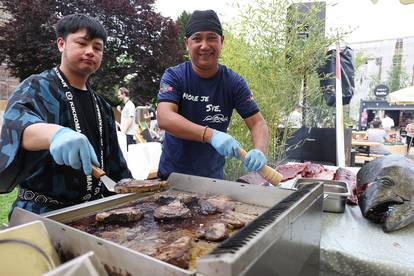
(43,184)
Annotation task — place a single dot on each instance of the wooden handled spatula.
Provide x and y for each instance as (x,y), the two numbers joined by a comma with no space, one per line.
(100,174)
(267,172)
(128,185)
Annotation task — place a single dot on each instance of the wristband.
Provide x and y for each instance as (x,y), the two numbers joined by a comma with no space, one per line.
(204,133)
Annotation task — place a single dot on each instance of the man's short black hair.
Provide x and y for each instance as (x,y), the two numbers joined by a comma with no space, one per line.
(376,123)
(70,24)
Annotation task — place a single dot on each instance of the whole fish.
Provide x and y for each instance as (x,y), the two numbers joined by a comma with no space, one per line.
(386,191)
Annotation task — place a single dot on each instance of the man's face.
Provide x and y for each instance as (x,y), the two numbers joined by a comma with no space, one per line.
(120,96)
(80,53)
(204,49)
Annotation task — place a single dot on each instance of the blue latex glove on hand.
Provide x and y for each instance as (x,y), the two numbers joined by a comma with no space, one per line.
(254,160)
(224,144)
(71,148)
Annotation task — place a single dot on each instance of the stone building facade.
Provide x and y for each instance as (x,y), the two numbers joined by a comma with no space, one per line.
(379,58)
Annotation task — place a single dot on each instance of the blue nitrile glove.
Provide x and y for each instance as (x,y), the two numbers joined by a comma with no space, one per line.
(254,160)
(73,149)
(224,144)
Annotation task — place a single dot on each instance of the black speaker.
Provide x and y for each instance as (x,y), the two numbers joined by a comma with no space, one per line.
(327,75)
(317,145)
(296,15)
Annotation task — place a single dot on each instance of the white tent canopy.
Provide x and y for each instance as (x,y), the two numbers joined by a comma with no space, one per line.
(402,96)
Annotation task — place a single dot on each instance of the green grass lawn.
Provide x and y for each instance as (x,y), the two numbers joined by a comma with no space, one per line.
(6,201)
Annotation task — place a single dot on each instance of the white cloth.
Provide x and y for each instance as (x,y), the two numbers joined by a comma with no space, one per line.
(387,123)
(295,119)
(127,112)
(122,144)
(352,245)
(142,158)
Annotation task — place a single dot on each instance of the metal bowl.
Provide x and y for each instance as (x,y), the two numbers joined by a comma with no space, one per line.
(335,193)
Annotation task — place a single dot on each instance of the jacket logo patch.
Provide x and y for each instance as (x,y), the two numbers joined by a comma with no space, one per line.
(164,87)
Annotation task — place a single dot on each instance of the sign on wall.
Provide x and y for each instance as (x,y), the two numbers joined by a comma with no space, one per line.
(381,91)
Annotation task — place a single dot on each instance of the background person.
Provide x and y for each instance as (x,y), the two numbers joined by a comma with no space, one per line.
(410,134)
(56,126)
(195,104)
(387,122)
(377,134)
(128,125)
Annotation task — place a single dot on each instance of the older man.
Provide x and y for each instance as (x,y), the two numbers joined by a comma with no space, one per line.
(195,104)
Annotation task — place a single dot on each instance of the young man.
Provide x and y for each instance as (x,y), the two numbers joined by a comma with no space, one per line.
(195,105)
(128,125)
(55,127)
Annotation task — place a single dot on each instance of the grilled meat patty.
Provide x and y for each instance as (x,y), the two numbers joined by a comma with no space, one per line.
(213,232)
(221,202)
(236,220)
(183,197)
(122,215)
(174,210)
(176,253)
(129,185)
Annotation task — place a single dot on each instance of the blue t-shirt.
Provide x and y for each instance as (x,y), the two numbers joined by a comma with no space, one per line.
(204,101)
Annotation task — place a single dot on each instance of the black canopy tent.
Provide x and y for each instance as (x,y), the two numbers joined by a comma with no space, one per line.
(400,113)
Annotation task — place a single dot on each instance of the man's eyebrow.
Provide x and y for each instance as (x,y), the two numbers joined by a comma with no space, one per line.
(84,37)
(89,39)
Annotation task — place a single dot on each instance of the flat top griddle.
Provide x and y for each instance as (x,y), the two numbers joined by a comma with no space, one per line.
(282,241)
(148,235)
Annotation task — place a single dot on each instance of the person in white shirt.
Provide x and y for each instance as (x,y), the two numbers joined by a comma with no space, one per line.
(127,115)
(410,134)
(387,122)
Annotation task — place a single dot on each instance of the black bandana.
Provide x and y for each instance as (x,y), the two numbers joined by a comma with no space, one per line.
(203,21)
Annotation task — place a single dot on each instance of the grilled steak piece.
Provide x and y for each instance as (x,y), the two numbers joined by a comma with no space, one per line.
(236,220)
(221,202)
(129,185)
(214,232)
(122,215)
(174,210)
(176,253)
(184,198)
(205,208)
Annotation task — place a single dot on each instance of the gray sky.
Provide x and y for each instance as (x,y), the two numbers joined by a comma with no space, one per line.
(384,20)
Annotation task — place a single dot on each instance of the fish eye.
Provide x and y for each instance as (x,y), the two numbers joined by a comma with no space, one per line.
(386,181)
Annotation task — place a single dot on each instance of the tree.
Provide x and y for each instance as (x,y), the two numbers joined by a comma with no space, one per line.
(28,45)
(397,78)
(181,22)
(140,46)
(266,47)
